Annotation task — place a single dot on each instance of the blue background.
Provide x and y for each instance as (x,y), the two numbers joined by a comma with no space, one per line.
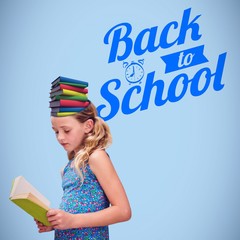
(179,163)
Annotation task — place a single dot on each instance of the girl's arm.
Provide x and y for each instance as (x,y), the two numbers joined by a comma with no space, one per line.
(119,210)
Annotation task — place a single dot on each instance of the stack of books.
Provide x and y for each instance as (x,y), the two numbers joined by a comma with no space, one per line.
(68,96)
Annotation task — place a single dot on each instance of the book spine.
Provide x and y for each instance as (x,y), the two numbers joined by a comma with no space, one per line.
(73,88)
(72,93)
(67,109)
(72,103)
(68,80)
(62,114)
(74,84)
(66,92)
(79,98)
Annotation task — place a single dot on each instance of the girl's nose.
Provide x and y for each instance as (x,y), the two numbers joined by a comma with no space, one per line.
(60,137)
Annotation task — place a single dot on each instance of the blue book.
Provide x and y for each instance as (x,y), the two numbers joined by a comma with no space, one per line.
(69,81)
(66,109)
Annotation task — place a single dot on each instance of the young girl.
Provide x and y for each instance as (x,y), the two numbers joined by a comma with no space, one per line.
(93,195)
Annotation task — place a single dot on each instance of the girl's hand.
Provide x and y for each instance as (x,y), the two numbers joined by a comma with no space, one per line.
(60,219)
(43,228)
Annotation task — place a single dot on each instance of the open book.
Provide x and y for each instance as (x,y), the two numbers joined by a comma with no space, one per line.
(29,199)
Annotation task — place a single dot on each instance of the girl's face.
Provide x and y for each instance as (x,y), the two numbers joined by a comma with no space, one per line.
(70,132)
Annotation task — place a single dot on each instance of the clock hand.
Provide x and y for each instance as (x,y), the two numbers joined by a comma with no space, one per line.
(133,72)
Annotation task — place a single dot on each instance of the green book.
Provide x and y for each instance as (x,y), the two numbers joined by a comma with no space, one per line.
(24,195)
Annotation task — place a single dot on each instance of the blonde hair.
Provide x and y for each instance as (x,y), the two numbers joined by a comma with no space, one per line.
(98,138)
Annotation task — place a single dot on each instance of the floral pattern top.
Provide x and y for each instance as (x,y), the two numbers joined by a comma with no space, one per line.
(82,197)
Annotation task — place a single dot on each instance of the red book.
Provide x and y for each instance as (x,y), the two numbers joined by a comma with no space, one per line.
(68,87)
(68,103)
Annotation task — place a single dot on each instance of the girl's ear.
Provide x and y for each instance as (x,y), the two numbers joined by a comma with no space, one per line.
(88,125)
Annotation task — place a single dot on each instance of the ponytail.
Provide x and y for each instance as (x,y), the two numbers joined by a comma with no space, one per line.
(99,138)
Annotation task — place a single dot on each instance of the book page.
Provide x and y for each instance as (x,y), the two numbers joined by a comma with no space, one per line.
(22,186)
(30,197)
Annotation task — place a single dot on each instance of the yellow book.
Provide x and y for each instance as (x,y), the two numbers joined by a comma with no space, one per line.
(62,114)
(30,200)
(72,93)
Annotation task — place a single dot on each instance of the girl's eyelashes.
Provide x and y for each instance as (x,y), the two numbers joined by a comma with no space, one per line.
(65,131)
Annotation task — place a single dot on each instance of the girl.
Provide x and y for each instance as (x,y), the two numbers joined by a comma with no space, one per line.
(93,194)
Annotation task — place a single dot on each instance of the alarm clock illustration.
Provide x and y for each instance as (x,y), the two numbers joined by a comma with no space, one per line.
(134,71)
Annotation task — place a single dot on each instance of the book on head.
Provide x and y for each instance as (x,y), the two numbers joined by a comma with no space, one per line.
(69,81)
(30,199)
(69,87)
(68,103)
(67,92)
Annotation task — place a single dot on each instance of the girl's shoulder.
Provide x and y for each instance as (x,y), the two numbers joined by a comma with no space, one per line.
(98,158)
(97,155)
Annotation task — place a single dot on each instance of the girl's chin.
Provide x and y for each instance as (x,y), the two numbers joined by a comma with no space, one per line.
(67,147)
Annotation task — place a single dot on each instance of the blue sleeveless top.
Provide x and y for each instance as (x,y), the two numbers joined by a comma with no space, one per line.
(82,197)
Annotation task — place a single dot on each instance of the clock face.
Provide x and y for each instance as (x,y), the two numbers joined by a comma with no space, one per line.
(134,73)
